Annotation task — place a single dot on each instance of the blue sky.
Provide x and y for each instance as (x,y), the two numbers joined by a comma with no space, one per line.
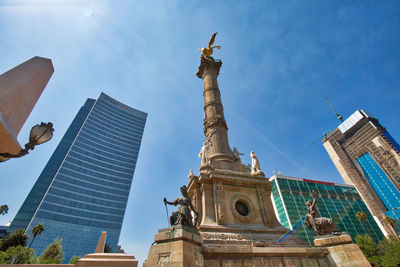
(280,60)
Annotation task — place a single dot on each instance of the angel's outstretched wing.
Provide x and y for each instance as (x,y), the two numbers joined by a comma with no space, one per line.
(212,40)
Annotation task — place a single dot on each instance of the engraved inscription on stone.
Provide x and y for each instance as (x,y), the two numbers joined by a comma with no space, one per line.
(235,237)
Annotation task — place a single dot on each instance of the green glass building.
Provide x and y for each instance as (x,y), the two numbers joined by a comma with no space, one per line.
(337,201)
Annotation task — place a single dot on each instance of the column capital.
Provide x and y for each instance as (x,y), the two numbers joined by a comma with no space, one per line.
(208,64)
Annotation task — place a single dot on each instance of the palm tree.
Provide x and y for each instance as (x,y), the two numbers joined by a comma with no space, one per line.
(389,220)
(3,209)
(37,230)
(17,238)
(362,217)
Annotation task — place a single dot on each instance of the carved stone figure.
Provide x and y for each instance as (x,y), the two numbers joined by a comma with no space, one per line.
(218,190)
(204,153)
(236,155)
(208,51)
(183,215)
(191,174)
(255,164)
(321,225)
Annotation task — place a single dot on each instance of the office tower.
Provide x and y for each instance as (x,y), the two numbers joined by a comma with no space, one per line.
(337,201)
(367,157)
(20,88)
(3,230)
(83,189)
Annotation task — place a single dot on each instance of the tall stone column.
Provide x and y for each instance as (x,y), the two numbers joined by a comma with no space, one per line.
(215,127)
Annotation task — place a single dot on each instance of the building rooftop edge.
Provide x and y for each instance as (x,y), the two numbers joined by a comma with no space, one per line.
(104,95)
(306,180)
(350,122)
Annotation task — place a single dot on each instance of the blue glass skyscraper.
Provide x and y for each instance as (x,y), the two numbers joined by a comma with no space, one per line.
(84,188)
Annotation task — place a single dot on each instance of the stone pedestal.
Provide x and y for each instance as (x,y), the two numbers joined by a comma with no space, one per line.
(217,193)
(107,260)
(342,252)
(176,246)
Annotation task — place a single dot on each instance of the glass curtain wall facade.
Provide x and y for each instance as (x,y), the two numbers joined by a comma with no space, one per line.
(3,231)
(339,202)
(383,187)
(84,188)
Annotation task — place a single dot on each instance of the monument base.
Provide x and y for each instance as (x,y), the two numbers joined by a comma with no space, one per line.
(181,246)
(254,256)
(342,252)
(176,246)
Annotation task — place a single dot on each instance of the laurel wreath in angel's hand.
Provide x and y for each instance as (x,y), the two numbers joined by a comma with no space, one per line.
(208,51)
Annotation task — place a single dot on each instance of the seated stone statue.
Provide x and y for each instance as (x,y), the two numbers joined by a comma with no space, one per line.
(183,215)
(321,225)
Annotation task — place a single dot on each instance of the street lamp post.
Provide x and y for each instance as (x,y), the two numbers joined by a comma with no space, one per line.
(40,133)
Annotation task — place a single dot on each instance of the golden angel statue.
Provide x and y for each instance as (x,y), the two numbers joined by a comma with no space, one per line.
(208,51)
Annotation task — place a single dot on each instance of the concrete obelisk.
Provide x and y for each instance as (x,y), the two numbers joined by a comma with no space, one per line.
(20,88)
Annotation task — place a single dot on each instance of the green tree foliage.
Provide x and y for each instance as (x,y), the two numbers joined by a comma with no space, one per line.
(367,245)
(376,260)
(18,238)
(107,248)
(18,255)
(74,259)
(53,254)
(37,230)
(385,254)
(3,209)
(392,255)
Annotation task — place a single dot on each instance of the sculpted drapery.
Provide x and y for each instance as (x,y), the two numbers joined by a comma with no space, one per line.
(321,225)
